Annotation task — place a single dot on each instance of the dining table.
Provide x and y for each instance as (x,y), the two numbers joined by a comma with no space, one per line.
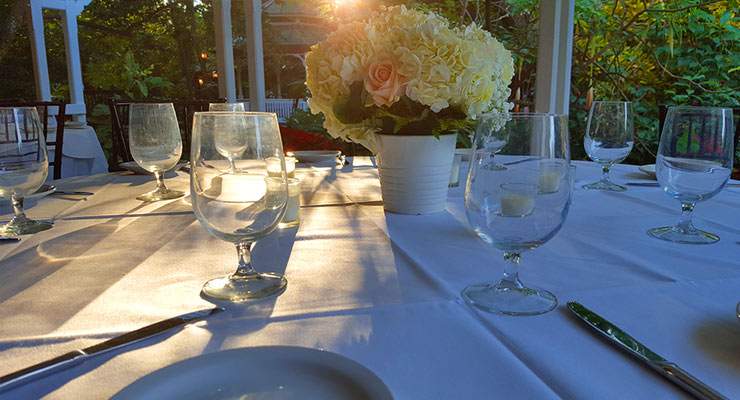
(379,288)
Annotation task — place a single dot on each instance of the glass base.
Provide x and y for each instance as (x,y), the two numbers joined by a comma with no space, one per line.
(24,227)
(493,166)
(242,288)
(680,235)
(605,185)
(159,195)
(506,299)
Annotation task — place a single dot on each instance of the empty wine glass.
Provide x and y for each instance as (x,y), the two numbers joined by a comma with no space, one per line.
(156,145)
(694,163)
(226,107)
(229,138)
(23,165)
(609,139)
(239,207)
(493,142)
(518,208)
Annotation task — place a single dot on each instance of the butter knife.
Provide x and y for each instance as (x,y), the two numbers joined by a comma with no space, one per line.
(621,339)
(77,357)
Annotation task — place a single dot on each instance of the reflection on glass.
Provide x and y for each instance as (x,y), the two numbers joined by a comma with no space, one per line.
(23,165)
(520,207)
(694,163)
(156,145)
(235,199)
(609,139)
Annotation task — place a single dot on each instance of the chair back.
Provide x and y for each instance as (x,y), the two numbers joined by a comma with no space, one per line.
(698,126)
(44,109)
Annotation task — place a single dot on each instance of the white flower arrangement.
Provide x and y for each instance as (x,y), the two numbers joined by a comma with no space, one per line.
(405,71)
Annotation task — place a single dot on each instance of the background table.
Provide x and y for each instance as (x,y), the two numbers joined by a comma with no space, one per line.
(382,289)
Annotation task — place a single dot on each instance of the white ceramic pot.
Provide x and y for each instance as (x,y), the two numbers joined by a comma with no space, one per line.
(415,172)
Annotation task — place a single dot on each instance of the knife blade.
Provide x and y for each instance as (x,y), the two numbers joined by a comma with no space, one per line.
(656,184)
(79,356)
(623,340)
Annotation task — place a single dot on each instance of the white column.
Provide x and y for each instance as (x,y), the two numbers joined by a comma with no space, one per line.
(74,67)
(554,56)
(38,50)
(224,50)
(256,55)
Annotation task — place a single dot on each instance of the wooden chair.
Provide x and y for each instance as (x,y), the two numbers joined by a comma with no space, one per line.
(43,108)
(119,126)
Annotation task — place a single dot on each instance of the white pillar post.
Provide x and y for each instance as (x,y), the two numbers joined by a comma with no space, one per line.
(256,55)
(224,50)
(38,50)
(74,67)
(554,56)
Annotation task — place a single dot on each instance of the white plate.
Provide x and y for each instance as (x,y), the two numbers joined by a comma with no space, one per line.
(316,156)
(135,168)
(270,372)
(43,191)
(648,169)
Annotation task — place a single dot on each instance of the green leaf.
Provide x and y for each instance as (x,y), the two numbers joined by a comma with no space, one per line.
(352,110)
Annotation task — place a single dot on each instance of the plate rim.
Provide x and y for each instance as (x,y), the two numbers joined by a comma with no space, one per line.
(147,383)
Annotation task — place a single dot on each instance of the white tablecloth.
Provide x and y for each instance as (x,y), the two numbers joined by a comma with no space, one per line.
(382,289)
(82,153)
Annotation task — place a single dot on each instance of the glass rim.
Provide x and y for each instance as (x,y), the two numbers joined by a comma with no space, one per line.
(235,113)
(697,108)
(151,104)
(611,102)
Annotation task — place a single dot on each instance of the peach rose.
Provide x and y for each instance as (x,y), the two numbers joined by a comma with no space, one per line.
(384,83)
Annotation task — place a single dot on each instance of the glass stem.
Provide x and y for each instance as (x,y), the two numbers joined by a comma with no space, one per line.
(244,269)
(511,271)
(160,181)
(605,172)
(687,210)
(18,213)
(232,165)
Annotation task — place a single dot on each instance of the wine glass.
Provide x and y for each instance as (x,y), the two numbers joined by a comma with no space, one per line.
(694,163)
(24,165)
(609,139)
(156,145)
(518,208)
(229,138)
(239,207)
(494,142)
(226,107)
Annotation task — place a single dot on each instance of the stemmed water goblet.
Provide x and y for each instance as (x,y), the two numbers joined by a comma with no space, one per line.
(24,165)
(694,162)
(156,144)
(226,107)
(609,139)
(494,142)
(229,138)
(518,208)
(243,205)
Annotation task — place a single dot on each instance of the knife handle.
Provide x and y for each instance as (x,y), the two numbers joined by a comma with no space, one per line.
(688,382)
(42,369)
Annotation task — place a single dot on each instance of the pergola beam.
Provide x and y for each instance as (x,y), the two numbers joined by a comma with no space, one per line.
(224,50)
(554,56)
(255,55)
(71,10)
